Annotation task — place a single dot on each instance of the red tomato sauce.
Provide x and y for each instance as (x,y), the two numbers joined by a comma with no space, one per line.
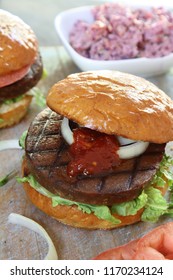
(92,152)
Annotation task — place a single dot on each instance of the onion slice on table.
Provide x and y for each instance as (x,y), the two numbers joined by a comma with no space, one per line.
(9,144)
(32,225)
(129,148)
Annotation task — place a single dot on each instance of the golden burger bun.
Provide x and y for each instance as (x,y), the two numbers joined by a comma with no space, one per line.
(13,113)
(18,43)
(115,103)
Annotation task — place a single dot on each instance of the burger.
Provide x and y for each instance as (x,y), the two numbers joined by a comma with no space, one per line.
(20,67)
(95,159)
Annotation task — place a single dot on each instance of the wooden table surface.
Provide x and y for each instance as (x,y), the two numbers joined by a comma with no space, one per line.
(17,242)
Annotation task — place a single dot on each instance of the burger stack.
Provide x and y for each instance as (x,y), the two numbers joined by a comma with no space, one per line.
(20,68)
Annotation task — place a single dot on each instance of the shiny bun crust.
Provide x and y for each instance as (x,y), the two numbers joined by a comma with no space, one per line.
(115,103)
(18,43)
(13,113)
(71,215)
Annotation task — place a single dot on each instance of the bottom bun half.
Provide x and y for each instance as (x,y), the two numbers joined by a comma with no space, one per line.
(13,113)
(71,215)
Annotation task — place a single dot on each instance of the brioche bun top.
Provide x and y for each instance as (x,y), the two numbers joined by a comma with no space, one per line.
(115,103)
(18,43)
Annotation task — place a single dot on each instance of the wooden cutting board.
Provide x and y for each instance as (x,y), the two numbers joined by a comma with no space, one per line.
(17,242)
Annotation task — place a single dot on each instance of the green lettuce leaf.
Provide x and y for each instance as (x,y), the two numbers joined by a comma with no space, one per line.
(4,180)
(155,207)
(101,211)
(22,139)
(44,74)
(169,213)
(130,207)
(163,171)
(1,120)
(13,100)
(170,209)
(31,180)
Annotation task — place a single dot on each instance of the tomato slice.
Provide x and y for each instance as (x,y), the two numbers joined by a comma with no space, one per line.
(13,76)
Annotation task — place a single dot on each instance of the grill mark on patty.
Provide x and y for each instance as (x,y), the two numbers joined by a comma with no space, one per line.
(100,186)
(47,157)
(134,171)
(38,139)
(62,147)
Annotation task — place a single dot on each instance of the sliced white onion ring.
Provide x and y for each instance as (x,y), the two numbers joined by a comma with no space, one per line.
(129,148)
(66,131)
(125,141)
(9,144)
(32,225)
(132,150)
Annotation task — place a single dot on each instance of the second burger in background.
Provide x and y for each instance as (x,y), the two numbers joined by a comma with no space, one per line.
(97,160)
(20,67)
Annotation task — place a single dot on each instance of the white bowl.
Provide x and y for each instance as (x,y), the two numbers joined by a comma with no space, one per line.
(146,67)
